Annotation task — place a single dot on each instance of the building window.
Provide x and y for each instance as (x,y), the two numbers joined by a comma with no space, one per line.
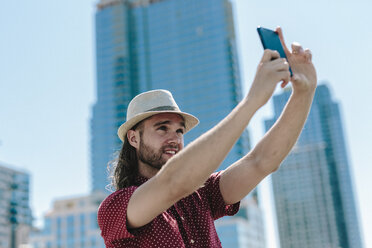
(93,221)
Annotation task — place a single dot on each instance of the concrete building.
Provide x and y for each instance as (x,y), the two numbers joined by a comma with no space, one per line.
(71,223)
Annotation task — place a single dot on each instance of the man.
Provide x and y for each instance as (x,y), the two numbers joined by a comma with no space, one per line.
(168,195)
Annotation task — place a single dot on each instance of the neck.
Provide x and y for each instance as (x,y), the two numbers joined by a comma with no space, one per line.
(146,170)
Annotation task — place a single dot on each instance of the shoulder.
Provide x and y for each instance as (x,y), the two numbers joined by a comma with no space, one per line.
(116,201)
(119,195)
(111,215)
(213,180)
(211,185)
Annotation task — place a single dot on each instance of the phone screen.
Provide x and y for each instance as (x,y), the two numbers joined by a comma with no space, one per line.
(270,40)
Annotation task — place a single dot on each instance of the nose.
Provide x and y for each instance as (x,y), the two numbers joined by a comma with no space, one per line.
(175,138)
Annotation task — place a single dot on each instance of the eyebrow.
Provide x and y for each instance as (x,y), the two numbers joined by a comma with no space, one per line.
(167,123)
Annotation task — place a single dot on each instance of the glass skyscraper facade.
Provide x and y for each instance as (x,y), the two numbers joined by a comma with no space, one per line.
(313,188)
(243,229)
(15,211)
(185,46)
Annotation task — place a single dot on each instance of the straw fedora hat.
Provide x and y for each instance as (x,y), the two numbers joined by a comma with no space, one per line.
(151,103)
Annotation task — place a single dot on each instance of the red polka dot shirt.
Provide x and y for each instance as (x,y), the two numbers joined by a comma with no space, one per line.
(188,223)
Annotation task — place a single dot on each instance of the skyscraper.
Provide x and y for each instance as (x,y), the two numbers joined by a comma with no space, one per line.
(313,188)
(185,46)
(245,228)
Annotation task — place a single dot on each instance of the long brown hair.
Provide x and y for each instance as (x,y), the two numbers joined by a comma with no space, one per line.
(124,169)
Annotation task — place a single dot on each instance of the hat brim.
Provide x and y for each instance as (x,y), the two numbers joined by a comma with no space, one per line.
(190,121)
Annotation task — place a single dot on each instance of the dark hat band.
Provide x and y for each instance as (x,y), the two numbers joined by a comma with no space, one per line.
(162,108)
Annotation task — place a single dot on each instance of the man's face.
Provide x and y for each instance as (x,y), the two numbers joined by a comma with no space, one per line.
(161,137)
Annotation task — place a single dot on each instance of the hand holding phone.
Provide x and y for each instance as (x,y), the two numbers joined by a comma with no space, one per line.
(270,40)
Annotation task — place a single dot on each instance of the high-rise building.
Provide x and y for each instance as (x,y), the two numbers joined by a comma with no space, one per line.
(313,188)
(245,228)
(71,222)
(185,46)
(15,212)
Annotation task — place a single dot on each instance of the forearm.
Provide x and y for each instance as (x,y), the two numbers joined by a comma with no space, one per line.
(239,179)
(279,140)
(192,166)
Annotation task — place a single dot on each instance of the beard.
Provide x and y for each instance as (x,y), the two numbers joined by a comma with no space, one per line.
(151,157)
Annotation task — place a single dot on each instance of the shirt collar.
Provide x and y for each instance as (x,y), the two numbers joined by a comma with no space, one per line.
(140,180)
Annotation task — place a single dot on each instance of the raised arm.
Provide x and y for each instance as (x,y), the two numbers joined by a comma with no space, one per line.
(240,178)
(190,168)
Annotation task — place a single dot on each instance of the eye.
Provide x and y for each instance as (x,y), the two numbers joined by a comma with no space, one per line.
(163,128)
(181,131)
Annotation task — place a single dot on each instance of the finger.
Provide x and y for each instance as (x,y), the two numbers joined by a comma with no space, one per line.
(284,83)
(285,76)
(281,37)
(308,54)
(280,65)
(297,48)
(269,55)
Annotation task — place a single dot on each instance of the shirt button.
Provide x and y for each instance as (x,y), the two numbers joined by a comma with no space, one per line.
(192,241)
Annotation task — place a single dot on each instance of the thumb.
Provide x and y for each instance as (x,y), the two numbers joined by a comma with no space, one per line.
(281,37)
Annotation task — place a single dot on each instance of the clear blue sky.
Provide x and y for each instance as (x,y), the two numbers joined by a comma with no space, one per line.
(47,85)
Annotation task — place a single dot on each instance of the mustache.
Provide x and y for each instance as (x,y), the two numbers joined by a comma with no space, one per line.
(170,147)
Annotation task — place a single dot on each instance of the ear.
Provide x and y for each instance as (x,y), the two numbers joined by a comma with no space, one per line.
(133,138)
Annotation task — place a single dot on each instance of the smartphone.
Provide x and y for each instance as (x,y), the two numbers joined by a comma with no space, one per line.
(270,40)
